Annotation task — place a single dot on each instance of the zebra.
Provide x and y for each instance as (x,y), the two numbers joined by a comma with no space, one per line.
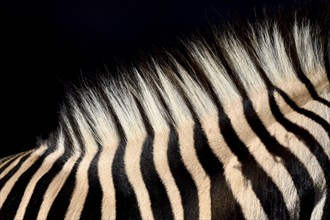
(231,125)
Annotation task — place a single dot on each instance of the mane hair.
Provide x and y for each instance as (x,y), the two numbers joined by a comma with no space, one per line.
(187,83)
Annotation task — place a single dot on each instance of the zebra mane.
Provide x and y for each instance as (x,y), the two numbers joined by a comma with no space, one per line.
(188,84)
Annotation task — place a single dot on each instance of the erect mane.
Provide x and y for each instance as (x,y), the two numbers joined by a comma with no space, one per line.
(190,83)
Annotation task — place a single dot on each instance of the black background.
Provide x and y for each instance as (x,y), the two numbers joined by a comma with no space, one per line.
(47,46)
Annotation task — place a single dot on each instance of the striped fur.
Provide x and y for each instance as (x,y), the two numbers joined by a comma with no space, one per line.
(233,126)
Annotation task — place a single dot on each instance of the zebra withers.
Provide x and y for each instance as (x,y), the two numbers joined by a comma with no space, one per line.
(231,125)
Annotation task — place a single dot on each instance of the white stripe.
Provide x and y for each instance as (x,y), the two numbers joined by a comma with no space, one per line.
(12,158)
(44,168)
(13,164)
(157,120)
(25,166)
(55,186)
(81,184)
(259,97)
(310,52)
(107,136)
(131,121)
(208,116)
(302,152)
(185,129)
(241,188)
(57,183)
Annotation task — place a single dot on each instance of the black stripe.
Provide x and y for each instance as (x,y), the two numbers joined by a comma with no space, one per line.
(309,114)
(301,133)
(296,169)
(42,185)
(300,176)
(312,145)
(4,179)
(126,201)
(262,184)
(8,158)
(62,201)
(9,161)
(303,78)
(11,204)
(182,177)
(223,203)
(292,52)
(93,203)
(160,202)
(40,189)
